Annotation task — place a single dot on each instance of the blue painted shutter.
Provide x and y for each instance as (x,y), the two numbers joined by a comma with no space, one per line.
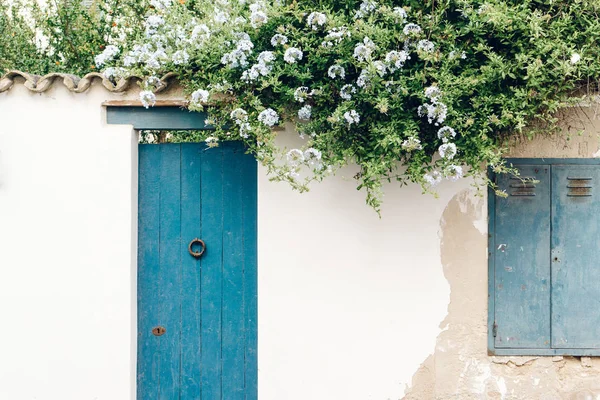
(207,305)
(521,260)
(575,256)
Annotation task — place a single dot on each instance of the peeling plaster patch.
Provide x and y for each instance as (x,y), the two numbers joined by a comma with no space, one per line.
(596,154)
(468,201)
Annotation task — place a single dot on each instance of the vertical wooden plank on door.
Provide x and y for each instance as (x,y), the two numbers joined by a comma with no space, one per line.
(211,264)
(191,228)
(169,279)
(575,256)
(250,234)
(148,351)
(233,342)
(521,259)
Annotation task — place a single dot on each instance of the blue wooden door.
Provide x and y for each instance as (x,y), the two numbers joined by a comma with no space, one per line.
(197,332)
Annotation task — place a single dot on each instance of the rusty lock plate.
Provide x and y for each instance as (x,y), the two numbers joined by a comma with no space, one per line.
(159,331)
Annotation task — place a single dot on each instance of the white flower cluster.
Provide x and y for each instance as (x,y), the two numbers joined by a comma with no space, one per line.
(304,113)
(454,54)
(301,94)
(363,79)
(115,73)
(239,56)
(411,29)
(311,157)
(380,67)
(161,4)
(268,117)
(258,17)
(200,33)
(452,172)
(316,20)
(109,53)
(292,54)
(148,98)
(411,144)
(153,57)
(335,36)
(200,97)
(396,59)
(363,51)
(152,23)
(263,67)
(436,111)
(351,117)
(180,57)
(278,40)
(447,151)
(426,46)
(347,91)
(401,14)
(446,133)
(336,71)
(365,8)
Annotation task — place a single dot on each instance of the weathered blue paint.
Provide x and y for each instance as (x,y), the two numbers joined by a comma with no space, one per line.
(572,247)
(165,118)
(522,246)
(207,305)
(575,256)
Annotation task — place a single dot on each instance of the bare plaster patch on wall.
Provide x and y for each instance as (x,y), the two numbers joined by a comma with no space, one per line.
(460,367)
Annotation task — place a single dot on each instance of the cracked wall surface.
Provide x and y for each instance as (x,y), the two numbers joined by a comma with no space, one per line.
(459,367)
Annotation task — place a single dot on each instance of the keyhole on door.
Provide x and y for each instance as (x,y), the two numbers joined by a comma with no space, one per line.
(555,259)
(159,331)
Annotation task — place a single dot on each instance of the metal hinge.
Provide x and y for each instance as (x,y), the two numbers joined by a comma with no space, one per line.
(495,329)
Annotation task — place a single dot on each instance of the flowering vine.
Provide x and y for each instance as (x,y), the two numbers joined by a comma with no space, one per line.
(412,91)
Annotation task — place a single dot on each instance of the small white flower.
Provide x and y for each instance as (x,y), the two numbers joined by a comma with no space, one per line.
(147,98)
(396,59)
(108,54)
(304,113)
(200,32)
(180,57)
(380,67)
(347,91)
(411,144)
(278,40)
(336,71)
(258,18)
(362,51)
(575,58)
(366,8)
(245,130)
(426,46)
(313,157)
(445,133)
(401,13)
(220,17)
(200,96)
(433,178)
(292,55)
(212,141)
(411,29)
(436,113)
(335,36)
(160,4)
(363,79)
(316,19)
(152,23)
(301,94)
(268,117)
(239,115)
(453,172)
(295,157)
(447,151)
(266,57)
(433,93)
(352,117)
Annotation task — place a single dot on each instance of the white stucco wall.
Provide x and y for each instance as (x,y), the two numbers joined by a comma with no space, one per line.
(349,304)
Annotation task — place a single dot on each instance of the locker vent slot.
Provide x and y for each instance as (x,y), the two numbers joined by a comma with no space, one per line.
(522,186)
(579,187)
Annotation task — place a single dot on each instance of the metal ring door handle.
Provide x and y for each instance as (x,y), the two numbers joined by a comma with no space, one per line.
(197,254)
